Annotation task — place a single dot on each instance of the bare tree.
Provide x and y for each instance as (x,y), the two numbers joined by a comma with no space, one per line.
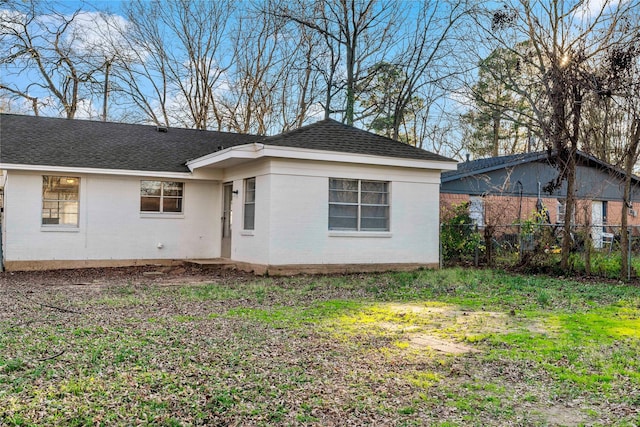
(256,75)
(301,81)
(180,56)
(563,40)
(43,43)
(425,57)
(620,82)
(33,101)
(359,28)
(327,64)
(631,157)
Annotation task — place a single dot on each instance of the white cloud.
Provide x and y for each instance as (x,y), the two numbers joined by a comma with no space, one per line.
(459,100)
(99,34)
(590,9)
(315,112)
(11,19)
(86,110)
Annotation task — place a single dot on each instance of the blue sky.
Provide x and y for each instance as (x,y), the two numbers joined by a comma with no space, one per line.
(94,109)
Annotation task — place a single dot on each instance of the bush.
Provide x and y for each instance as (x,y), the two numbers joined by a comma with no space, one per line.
(458,235)
(602,264)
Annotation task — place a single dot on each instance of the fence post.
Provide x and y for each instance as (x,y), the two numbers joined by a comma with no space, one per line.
(440,254)
(520,241)
(629,253)
(476,262)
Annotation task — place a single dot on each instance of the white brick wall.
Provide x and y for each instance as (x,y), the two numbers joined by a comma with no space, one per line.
(111,225)
(291,224)
(299,216)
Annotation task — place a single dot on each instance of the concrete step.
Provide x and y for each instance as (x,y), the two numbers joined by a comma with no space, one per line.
(213,263)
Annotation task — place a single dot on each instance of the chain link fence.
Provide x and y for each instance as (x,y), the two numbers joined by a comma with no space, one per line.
(594,250)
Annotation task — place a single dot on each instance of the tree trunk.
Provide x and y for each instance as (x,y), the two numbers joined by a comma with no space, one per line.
(576,115)
(351,96)
(588,245)
(105,98)
(495,146)
(630,159)
(624,234)
(569,208)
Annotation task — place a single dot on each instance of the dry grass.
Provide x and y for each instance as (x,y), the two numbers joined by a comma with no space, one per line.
(442,348)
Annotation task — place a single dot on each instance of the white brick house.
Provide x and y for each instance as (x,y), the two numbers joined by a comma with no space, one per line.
(325,197)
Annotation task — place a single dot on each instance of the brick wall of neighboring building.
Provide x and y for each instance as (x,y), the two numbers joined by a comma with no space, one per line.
(614,212)
(503,210)
(448,201)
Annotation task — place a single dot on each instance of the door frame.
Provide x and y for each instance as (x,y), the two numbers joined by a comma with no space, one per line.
(597,223)
(226,220)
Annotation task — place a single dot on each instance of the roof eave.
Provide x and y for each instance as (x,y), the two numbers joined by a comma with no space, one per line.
(257,150)
(87,170)
(498,166)
(224,157)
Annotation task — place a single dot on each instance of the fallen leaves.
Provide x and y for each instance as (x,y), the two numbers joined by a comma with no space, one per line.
(198,347)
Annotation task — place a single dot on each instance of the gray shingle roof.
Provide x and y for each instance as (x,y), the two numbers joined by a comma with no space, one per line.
(330,135)
(481,166)
(491,163)
(81,143)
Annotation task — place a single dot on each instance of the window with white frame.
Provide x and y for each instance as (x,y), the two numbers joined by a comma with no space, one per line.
(249,203)
(60,200)
(358,205)
(562,211)
(161,196)
(476,210)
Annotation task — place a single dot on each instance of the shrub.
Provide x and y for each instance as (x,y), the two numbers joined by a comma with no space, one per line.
(458,235)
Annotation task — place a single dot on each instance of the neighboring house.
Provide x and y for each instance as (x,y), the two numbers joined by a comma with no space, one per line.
(503,190)
(325,197)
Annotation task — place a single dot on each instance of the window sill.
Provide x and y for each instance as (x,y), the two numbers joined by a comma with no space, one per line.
(161,215)
(384,234)
(246,233)
(55,228)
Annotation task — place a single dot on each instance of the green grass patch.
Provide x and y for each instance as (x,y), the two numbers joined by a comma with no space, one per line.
(449,347)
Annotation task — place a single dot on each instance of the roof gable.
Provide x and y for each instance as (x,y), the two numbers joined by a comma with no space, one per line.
(330,135)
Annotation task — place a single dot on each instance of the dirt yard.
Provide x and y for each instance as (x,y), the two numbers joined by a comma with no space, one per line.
(186,346)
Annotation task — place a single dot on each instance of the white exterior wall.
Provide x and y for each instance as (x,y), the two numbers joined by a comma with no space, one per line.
(111,225)
(292,205)
(250,246)
(291,218)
